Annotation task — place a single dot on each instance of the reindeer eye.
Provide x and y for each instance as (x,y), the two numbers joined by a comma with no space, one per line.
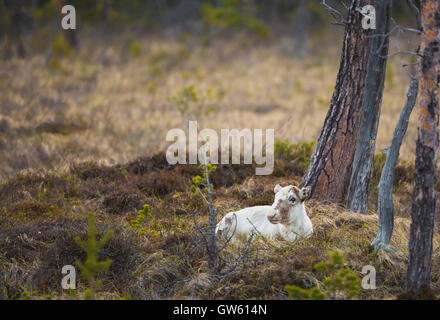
(292,199)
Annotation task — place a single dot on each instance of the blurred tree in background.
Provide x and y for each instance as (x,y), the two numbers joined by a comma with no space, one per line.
(39,18)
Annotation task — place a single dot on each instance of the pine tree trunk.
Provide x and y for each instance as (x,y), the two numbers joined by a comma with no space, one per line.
(423,208)
(362,170)
(329,171)
(385,207)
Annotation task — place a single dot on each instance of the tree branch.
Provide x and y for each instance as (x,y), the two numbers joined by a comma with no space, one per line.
(336,14)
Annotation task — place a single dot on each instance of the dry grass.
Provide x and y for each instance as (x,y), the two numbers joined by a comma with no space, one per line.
(106,104)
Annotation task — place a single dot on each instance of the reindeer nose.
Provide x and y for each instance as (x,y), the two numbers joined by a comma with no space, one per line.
(273,219)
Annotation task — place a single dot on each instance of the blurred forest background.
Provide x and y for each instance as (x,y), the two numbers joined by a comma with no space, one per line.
(135,69)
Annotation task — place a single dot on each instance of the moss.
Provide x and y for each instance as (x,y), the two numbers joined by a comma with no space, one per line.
(31,209)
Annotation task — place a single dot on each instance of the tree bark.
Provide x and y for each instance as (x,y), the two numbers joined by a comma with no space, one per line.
(385,206)
(423,208)
(329,171)
(362,170)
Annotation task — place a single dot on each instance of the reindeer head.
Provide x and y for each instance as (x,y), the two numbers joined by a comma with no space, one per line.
(291,193)
(287,198)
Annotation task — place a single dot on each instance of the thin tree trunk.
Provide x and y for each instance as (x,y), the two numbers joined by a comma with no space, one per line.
(362,170)
(385,206)
(302,22)
(212,238)
(329,171)
(423,208)
(14,29)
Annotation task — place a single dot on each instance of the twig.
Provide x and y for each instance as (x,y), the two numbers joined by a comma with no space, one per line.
(238,261)
(199,229)
(231,236)
(203,196)
(336,14)
(416,12)
(259,233)
(403,52)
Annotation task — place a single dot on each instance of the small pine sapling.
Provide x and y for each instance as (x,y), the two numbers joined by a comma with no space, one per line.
(298,293)
(199,181)
(92,266)
(340,283)
(138,222)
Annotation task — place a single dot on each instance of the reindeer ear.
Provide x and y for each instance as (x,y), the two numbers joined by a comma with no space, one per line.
(305,193)
(277,188)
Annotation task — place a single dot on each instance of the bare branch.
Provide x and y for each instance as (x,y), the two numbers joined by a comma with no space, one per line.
(230,237)
(199,229)
(336,14)
(237,262)
(403,52)
(410,64)
(416,12)
(344,5)
(203,196)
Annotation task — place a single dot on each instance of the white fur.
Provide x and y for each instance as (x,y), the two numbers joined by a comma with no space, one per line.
(268,221)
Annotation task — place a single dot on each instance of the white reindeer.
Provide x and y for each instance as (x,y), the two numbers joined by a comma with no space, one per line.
(286,218)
